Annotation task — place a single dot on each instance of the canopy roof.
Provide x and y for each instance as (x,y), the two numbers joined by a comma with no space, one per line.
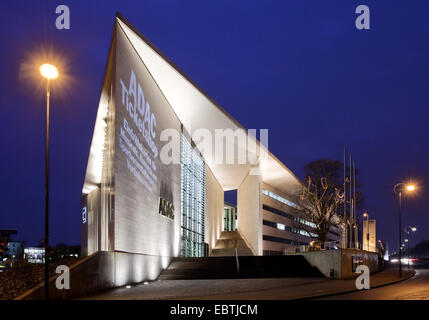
(196,110)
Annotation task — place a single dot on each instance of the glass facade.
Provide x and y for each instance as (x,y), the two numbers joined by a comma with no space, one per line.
(193,185)
(229,218)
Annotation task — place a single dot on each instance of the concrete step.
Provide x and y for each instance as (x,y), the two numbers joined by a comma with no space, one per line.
(230,243)
(225,252)
(230,235)
(250,267)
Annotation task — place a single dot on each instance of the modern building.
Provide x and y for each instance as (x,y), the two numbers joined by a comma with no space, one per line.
(34,255)
(162,155)
(15,250)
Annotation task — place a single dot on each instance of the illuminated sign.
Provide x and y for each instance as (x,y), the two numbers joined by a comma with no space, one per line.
(84,215)
(139,110)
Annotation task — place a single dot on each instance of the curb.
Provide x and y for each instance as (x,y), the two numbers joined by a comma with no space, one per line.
(355,290)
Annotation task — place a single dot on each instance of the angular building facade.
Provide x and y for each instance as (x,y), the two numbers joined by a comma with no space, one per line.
(159,164)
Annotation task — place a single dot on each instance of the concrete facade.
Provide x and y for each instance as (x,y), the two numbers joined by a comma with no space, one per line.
(249,217)
(273,232)
(214,209)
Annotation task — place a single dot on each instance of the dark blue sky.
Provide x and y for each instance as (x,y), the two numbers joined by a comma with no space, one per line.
(299,68)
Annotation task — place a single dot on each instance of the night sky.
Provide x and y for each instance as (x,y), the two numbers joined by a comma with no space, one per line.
(299,68)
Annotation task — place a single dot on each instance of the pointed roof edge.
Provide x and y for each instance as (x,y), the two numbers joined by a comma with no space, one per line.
(91,177)
(192,82)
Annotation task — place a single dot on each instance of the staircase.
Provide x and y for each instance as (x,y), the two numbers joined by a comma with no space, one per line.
(225,267)
(228,241)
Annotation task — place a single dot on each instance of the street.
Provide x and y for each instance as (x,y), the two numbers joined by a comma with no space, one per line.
(416,288)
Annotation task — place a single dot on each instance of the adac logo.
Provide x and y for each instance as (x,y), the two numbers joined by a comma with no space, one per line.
(166,208)
(139,110)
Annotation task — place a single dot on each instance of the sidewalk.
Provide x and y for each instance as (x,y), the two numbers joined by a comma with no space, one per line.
(245,289)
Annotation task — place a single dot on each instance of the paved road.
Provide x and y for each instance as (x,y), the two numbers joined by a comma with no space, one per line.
(240,289)
(416,288)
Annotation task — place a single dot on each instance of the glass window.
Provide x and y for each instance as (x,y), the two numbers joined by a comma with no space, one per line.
(279,198)
(193,186)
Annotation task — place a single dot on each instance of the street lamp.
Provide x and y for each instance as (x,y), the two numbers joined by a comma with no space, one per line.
(398,189)
(366,215)
(409,230)
(50,72)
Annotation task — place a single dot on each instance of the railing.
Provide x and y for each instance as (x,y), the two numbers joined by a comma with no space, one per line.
(237,263)
(329,245)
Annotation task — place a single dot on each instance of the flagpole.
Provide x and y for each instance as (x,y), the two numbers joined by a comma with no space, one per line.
(354,200)
(351,202)
(345,198)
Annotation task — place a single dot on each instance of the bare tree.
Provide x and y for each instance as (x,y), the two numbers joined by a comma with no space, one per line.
(320,201)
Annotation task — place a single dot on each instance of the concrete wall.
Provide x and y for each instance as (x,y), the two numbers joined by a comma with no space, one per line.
(103,270)
(341,262)
(249,213)
(214,209)
(141,178)
(326,261)
(369,259)
(90,226)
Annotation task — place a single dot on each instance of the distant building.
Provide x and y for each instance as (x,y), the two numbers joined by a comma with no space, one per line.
(369,241)
(34,255)
(15,250)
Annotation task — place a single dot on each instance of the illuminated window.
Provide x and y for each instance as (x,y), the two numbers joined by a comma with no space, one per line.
(279,198)
(193,185)
(280,226)
(289,216)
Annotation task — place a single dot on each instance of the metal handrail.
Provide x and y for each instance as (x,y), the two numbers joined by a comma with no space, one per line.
(237,263)
(329,245)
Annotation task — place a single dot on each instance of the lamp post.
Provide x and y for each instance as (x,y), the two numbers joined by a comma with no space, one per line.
(49,72)
(398,189)
(408,231)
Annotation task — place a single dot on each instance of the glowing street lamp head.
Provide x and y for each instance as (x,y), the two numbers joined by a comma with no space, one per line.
(410,188)
(49,71)
(413,229)
(365,215)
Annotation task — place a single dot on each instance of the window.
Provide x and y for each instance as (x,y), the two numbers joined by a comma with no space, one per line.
(279,198)
(289,216)
(290,229)
(282,240)
(193,185)
(280,226)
